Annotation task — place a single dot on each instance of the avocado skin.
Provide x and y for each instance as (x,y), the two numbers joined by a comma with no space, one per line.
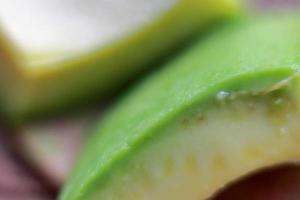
(250,54)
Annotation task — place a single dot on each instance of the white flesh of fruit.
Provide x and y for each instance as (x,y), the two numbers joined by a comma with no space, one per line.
(53,30)
(202,152)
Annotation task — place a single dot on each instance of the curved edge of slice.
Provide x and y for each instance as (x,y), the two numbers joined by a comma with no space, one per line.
(146,148)
(238,132)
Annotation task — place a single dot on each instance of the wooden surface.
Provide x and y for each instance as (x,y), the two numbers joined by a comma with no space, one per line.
(17,181)
(282,183)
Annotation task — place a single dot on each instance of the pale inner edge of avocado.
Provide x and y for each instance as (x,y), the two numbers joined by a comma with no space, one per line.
(203,151)
(57,30)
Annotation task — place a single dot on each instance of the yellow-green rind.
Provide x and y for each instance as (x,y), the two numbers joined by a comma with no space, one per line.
(49,89)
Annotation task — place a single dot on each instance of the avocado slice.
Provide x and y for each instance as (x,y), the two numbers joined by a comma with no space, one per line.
(56,53)
(225,108)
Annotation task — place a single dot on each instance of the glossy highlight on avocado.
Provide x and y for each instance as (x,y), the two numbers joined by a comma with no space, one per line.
(228,106)
(56,54)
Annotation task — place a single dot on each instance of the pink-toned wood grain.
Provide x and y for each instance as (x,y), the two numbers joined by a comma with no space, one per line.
(17,182)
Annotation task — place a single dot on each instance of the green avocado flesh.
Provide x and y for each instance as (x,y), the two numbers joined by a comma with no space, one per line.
(55,54)
(227,107)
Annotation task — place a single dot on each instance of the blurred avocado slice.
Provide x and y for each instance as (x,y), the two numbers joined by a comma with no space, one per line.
(227,107)
(56,53)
